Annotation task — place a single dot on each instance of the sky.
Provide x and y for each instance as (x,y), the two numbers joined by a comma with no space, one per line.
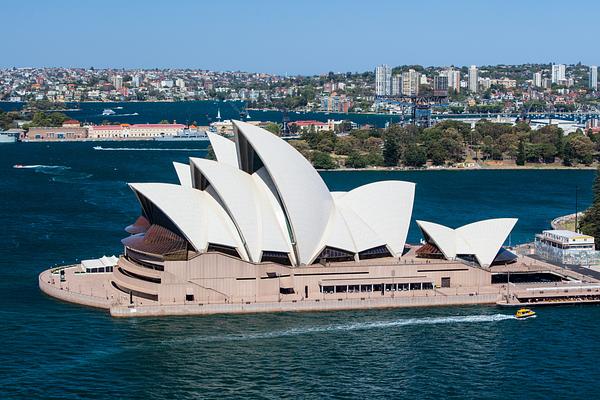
(295,37)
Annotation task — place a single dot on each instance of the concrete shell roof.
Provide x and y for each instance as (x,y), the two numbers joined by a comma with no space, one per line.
(280,204)
(386,207)
(184,174)
(248,206)
(197,214)
(305,198)
(224,149)
(482,239)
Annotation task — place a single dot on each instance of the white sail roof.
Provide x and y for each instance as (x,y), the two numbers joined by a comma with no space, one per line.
(184,174)
(224,149)
(262,195)
(305,198)
(247,204)
(482,239)
(386,207)
(195,213)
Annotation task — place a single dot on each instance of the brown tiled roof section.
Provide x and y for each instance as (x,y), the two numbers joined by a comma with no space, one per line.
(156,240)
(428,250)
(139,226)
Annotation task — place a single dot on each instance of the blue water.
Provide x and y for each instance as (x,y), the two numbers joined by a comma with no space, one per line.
(75,204)
(205,112)
(199,112)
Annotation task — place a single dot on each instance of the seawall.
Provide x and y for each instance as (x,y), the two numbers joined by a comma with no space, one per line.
(303,306)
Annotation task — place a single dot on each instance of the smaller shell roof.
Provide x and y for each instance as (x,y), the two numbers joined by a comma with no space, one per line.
(482,239)
(196,214)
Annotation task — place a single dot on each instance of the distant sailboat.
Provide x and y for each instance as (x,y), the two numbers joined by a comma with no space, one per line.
(219,114)
(247,114)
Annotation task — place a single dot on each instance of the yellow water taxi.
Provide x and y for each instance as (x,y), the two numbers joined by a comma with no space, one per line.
(523,313)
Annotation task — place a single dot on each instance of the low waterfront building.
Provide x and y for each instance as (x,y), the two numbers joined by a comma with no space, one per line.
(566,247)
(99,265)
(135,131)
(68,131)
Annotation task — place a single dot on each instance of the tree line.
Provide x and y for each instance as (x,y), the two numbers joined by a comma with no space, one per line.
(447,143)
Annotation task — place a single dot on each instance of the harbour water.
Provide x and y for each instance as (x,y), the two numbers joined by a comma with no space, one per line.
(72,202)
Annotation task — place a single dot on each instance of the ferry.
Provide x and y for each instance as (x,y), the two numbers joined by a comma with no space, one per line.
(186,135)
(524,313)
(8,137)
(108,111)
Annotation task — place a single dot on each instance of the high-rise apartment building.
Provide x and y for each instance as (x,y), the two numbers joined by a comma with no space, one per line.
(594,77)
(558,73)
(396,85)
(117,81)
(383,80)
(410,82)
(473,78)
(537,79)
(440,85)
(453,79)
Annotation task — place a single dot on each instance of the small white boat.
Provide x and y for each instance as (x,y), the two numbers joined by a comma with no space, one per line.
(108,111)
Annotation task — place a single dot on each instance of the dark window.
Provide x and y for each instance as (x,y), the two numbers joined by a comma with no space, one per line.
(223,249)
(341,289)
(445,282)
(415,286)
(427,285)
(353,288)
(189,297)
(377,288)
(375,252)
(286,290)
(327,289)
(334,254)
(276,257)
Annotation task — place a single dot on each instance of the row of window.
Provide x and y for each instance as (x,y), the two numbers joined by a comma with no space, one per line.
(99,269)
(376,287)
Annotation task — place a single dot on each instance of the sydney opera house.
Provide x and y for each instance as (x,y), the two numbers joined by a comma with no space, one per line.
(258,230)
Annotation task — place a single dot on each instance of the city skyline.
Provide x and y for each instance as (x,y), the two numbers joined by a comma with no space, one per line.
(239,36)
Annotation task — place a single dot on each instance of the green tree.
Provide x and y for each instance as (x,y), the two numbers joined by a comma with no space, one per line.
(414,156)
(356,160)
(391,151)
(344,145)
(322,160)
(273,128)
(521,153)
(578,148)
(325,145)
(302,147)
(437,154)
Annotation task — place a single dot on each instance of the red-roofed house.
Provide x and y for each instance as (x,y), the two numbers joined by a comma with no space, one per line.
(316,125)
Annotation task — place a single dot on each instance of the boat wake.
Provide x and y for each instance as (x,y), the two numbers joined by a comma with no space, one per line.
(41,167)
(357,326)
(120,115)
(143,149)
(57,173)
